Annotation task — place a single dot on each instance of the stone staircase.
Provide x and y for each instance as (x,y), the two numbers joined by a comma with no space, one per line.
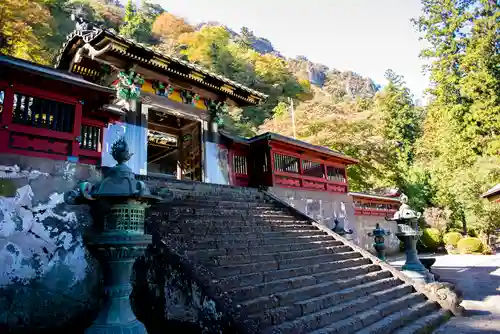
(283,273)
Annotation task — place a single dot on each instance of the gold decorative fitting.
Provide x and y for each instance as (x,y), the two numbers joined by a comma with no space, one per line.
(227,88)
(197,76)
(119,48)
(159,62)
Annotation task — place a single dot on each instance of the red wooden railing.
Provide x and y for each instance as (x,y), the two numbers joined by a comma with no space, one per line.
(366,207)
(301,171)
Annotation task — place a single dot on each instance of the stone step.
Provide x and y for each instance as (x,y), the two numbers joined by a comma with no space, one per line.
(195,186)
(328,300)
(314,268)
(237,250)
(300,296)
(235,196)
(338,283)
(237,221)
(325,272)
(240,269)
(209,203)
(249,258)
(215,211)
(383,318)
(218,244)
(426,324)
(394,317)
(291,319)
(216,228)
(199,236)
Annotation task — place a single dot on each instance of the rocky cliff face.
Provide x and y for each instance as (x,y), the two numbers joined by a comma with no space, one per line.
(333,82)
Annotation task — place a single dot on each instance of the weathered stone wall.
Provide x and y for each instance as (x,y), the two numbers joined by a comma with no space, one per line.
(322,206)
(326,207)
(46,272)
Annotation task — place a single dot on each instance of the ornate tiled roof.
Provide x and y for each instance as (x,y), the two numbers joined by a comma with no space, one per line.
(51,73)
(295,142)
(94,35)
(492,192)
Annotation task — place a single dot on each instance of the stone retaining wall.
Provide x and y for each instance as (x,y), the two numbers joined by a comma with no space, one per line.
(326,207)
(46,271)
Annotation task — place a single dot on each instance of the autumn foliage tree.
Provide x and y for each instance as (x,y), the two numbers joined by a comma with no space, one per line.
(23,26)
(169,27)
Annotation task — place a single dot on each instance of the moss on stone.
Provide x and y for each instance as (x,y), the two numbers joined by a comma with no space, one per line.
(7,188)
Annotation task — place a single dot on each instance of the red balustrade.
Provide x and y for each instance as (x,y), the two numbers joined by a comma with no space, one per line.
(302,171)
(374,207)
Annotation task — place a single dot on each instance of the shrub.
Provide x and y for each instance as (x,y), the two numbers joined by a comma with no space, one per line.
(470,246)
(452,238)
(472,233)
(431,239)
(487,250)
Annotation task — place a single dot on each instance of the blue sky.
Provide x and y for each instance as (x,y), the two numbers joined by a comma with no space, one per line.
(365,36)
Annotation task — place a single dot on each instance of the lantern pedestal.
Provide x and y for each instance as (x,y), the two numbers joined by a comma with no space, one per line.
(413,268)
(116,255)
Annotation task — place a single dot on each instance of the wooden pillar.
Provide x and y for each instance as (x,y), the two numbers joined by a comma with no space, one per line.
(325,172)
(271,162)
(6,118)
(77,129)
(301,181)
(180,157)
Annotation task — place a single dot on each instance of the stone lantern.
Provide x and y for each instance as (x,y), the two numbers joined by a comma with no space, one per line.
(116,238)
(408,232)
(378,235)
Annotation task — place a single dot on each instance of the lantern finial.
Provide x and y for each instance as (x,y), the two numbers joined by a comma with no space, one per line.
(120,152)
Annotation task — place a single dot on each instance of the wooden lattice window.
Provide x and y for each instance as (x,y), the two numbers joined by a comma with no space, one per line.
(91,138)
(41,113)
(313,169)
(2,97)
(240,164)
(335,174)
(286,163)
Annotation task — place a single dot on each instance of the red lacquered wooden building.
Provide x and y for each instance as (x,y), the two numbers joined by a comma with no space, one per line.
(51,114)
(273,160)
(374,205)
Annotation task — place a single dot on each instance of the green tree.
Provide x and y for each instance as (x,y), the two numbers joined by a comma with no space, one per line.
(400,118)
(461,127)
(138,22)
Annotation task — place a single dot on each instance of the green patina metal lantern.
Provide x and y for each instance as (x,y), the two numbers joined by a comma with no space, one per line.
(118,206)
(409,233)
(378,235)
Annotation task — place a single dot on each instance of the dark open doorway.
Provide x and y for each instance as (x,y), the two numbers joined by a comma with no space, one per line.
(174,146)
